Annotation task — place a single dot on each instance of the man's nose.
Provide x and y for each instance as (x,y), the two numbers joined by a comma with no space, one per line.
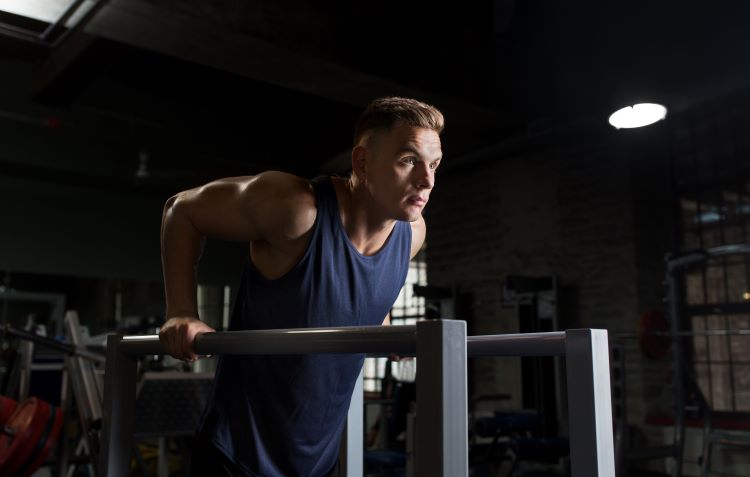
(426,177)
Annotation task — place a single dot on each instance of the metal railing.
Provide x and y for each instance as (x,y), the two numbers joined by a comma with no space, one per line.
(441,346)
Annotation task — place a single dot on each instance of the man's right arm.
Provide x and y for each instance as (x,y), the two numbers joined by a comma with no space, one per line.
(240,209)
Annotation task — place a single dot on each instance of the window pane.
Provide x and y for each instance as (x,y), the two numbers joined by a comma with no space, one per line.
(715,284)
(694,288)
(742,388)
(703,378)
(740,344)
(407,304)
(722,387)
(700,343)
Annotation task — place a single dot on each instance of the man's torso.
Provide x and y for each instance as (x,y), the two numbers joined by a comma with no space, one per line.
(282,415)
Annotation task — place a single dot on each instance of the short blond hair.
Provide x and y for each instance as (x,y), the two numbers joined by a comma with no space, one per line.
(385,113)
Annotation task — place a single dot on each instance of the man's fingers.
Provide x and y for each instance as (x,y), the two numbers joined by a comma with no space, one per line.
(185,342)
(176,342)
(188,342)
(178,337)
(169,341)
(175,349)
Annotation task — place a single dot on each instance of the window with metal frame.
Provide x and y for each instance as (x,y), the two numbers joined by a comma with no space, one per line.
(711,170)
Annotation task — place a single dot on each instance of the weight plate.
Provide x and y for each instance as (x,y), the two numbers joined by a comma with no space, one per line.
(21,434)
(44,444)
(651,329)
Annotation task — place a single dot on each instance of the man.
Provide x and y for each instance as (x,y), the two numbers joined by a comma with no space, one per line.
(329,252)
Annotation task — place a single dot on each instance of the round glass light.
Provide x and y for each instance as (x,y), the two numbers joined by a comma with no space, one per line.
(638,115)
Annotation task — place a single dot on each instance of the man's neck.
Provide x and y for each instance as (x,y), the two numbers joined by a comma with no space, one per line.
(365,226)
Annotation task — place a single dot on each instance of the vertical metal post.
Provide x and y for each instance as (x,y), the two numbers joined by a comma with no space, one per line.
(82,376)
(442,410)
(119,409)
(411,430)
(57,313)
(589,403)
(678,380)
(162,467)
(351,454)
(26,353)
(620,408)
(62,445)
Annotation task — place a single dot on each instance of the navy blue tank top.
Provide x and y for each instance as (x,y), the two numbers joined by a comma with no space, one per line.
(277,416)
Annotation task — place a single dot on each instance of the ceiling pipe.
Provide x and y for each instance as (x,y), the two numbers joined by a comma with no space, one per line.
(51,122)
(17,33)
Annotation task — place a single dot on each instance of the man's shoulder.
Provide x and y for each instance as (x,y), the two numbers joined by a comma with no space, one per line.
(289,204)
(284,188)
(284,185)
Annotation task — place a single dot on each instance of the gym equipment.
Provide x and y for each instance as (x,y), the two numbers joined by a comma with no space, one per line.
(516,438)
(87,389)
(55,301)
(69,349)
(79,381)
(535,300)
(389,456)
(651,327)
(441,346)
(28,437)
(7,406)
(504,422)
(169,405)
(657,340)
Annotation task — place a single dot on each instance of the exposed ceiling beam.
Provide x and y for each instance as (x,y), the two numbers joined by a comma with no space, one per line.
(152,27)
(56,73)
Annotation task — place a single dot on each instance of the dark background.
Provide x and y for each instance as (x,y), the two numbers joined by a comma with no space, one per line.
(144,98)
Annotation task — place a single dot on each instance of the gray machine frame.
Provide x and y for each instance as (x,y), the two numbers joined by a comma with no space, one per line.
(441,346)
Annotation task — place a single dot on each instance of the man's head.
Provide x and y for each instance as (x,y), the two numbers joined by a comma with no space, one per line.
(383,114)
(396,153)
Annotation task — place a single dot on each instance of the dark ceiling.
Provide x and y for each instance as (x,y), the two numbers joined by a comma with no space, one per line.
(234,87)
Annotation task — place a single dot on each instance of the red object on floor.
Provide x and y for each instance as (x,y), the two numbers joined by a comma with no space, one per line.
(732,424)
(28,437)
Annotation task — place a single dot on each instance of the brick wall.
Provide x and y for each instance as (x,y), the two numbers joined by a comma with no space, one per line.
(483,224)
(590,214)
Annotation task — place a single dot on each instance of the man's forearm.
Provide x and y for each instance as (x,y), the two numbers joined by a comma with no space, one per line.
(181,248)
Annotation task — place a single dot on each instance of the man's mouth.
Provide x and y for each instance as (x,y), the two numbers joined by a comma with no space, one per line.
(416,200)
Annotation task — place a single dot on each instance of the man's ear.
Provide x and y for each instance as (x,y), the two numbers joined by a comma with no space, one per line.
(359,162)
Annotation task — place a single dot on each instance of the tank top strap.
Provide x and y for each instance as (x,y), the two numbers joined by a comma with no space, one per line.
(325,199)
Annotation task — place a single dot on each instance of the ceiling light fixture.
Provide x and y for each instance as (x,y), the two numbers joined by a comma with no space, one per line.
(43,10)
(638,115)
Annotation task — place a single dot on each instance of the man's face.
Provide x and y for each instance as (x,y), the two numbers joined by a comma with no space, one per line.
(400,170)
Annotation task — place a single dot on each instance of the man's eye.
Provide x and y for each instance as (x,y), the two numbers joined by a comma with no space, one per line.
(410,160)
